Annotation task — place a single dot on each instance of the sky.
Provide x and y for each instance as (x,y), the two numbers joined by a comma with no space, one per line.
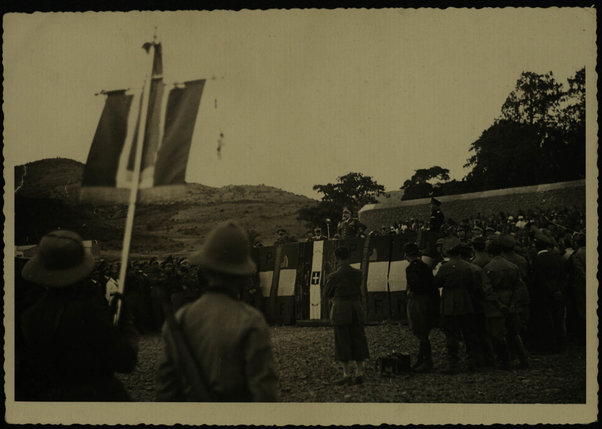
(302,97)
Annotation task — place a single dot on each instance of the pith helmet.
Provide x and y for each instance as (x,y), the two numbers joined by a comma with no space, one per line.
(61,260)
(226,250)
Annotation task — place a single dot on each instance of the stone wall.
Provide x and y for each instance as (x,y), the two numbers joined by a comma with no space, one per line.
(463,206)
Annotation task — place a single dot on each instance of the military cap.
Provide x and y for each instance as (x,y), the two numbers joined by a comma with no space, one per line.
(480,240)
(411,249)
(507,241)
(543,238)
(451,243)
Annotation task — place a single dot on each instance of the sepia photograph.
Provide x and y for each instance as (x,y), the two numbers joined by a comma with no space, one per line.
(308,217)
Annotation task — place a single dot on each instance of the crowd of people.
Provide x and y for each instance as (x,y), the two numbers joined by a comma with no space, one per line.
(500,298)
(503,286)
(69,344)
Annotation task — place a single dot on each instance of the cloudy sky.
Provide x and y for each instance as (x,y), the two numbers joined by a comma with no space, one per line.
(302,97)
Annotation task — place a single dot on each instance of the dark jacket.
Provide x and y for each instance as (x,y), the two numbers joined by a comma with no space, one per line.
(344,287)
(436,220)
(420,278)
(71,348)
(456,278)
(548,277)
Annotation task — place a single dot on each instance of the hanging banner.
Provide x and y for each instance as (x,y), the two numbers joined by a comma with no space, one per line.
(315,290)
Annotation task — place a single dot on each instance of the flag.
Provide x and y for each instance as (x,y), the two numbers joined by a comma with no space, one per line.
(180,116)
(169,127)
(108,142)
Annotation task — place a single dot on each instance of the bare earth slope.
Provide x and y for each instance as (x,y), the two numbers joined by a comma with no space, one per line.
(47,197)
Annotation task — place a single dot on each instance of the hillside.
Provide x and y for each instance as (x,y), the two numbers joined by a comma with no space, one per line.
(47,197)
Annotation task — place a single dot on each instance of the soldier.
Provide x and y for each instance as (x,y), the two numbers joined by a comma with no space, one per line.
(282,236)
(576,290)
(71,348)
(482,287)
(229,340)
(548,300)
(361,230)
(422,305)
(348,226)
(523,299)
(347,315)
(505,283)
(437,218)
(456,279)
(480,258)
(318,236)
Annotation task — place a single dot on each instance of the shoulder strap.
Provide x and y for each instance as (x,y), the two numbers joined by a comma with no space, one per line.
(185,361)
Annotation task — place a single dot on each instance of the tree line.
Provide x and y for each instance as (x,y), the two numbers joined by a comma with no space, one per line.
(538,138)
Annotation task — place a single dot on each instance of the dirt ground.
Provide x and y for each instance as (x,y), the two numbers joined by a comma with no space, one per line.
(306,367)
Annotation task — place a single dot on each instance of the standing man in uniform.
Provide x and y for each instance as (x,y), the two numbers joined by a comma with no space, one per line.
(71,349)
(437,218)
(348,226)
(229,341)
(548,303)
(456,279)
(347,315)
(505,283)
(423,305)
(523,299)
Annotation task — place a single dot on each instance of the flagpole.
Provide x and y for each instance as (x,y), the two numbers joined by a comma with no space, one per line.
(129,224)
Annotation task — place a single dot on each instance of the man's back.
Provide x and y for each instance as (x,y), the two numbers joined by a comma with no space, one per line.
(345,281)
(457,280)
(230,340)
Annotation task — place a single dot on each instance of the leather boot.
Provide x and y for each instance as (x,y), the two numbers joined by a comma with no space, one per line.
(427,363)
(522,352)
(420,357)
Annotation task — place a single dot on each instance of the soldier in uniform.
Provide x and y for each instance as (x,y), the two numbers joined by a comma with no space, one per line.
(576,290)
(523,300)
(422,305)
(505,283)
(71,349)
(318,236)
(282,236)
(229,340)
(348,226)
(456,280)
(343,286)
(482,286)
(437,218)
(480,258)
(548,299)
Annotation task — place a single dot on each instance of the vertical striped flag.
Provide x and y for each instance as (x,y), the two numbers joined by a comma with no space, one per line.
(168,132)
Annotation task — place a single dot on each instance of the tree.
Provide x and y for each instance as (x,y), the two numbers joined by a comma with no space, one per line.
(505,155)
(534,101)
(424,182)
(539,137)
(353,190)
